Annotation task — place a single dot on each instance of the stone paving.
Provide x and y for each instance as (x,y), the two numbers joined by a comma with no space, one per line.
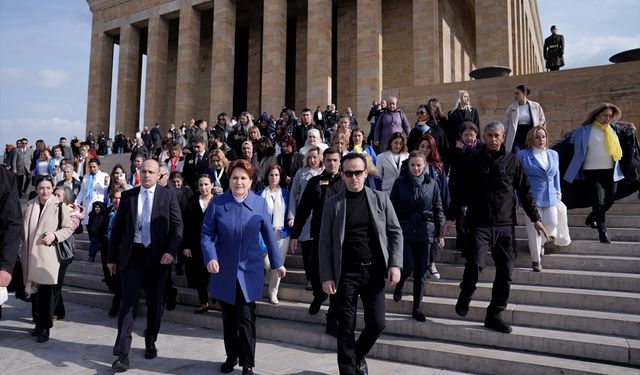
(82,343)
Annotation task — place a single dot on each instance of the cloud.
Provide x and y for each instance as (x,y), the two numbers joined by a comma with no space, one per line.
(47,129)
(51,78)
(590,51)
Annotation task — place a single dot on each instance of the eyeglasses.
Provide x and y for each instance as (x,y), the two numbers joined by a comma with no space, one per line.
(350,174)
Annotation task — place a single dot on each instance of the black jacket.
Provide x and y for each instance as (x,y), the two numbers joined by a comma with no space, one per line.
(290,165)
(455,119)
(419,210)
(318,190)
(10,220)
(487,184)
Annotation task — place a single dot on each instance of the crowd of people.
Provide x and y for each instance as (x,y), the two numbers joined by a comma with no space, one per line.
(224,203)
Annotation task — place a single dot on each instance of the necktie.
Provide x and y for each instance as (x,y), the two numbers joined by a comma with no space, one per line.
(198,159)
(146,218)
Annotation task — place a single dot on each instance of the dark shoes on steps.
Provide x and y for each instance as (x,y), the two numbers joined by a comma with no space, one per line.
(228,365)
(121,364)
(497,324)
(462,306)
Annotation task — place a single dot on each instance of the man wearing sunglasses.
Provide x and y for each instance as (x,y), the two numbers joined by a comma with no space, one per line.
(362,247)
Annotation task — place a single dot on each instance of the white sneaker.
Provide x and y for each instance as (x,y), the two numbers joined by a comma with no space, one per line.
(274,300)
(433,271)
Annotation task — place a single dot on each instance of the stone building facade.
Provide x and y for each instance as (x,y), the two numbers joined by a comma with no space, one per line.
(210,56)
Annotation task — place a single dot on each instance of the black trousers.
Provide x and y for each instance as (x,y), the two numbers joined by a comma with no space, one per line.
(602,191)
(239,329)
(501,242)
(23,184)
(367,282)
(307,248)
(45,302)
(416,258)
(318,293)
(142,272)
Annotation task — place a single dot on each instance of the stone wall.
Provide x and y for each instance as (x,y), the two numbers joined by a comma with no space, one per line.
(566,96)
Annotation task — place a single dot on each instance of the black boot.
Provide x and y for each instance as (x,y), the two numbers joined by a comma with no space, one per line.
(590,221)
(150,351)
(43,336)
(602,233)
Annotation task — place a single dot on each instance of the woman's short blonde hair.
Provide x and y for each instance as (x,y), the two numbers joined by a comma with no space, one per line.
(531,135)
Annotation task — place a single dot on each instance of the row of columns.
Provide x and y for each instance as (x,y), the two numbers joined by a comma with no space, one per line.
(427,61)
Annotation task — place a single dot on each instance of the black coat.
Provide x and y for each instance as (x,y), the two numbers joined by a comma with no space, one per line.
(487,184)
(577,194)
(195,269)
(290,165)
(10,220)
(455,119)
(419,210)
(554,51)
(318,190)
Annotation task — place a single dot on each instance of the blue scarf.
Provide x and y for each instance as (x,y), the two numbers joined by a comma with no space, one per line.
(422,127)
(90,180)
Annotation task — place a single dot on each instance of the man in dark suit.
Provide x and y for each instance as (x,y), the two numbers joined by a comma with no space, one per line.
(21,164)
(196,163)
(553,50)
(144,241)
(362,246)
(138,149)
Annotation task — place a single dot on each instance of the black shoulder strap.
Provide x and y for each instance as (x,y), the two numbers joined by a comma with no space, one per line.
(59,215)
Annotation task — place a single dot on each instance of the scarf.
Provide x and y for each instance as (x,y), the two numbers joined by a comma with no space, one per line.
(423,127)
(612,143)
(90,181)
(275,206)
(417,185)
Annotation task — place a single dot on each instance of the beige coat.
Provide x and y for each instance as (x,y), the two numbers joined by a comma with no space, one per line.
(40,262)
(510,121)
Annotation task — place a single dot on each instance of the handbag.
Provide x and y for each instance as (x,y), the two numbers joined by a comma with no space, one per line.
(64,249)
(563,238)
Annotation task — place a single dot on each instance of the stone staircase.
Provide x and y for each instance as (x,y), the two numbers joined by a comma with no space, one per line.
(581,315)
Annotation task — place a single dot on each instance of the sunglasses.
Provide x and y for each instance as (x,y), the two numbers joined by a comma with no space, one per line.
(421,113)
(350,174)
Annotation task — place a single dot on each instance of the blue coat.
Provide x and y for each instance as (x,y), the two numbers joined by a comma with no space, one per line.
(545,184)
(230,235)
(580,141)
(286,231)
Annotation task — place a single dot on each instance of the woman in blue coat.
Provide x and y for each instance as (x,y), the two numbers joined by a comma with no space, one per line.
(543,169)
(596,159)
(232,226)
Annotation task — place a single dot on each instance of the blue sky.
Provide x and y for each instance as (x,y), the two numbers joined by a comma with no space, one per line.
(44,56)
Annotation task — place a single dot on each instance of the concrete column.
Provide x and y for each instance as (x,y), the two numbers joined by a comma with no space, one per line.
(446,52)
(188,55)
(369,55)
(427,54)
(99,95)
(274,56)
(155,98)
(223,52)
(255,68)
(319,17)
(493,33)
(128,102)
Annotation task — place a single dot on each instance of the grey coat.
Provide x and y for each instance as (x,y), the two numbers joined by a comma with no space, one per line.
(387,229)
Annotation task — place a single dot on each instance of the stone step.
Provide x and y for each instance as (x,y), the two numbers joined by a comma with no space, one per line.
(628,208)
(426,348)
(613,221)
(85,275)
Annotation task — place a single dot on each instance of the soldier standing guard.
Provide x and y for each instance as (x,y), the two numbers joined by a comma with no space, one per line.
(554,50)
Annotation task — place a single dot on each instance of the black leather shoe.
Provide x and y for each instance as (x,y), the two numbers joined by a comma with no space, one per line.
(36,332)
(121,364)
(419,315)
(497,324)
(150,351)
(361,367)
(462,306)
(397,294)
(171,299)
(604,238)
(43,336)
(331,329)
(247,371)
(590,222)
(315,305)
(228,365)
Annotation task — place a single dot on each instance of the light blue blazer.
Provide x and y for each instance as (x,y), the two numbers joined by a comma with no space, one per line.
(230,235)
(545,183)
(580,141)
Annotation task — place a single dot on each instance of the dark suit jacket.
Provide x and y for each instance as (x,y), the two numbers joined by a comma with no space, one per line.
(166,225)
(10,220)
(191,170)
(387,230)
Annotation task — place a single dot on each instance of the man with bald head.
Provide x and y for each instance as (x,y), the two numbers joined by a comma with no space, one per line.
(144,241)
